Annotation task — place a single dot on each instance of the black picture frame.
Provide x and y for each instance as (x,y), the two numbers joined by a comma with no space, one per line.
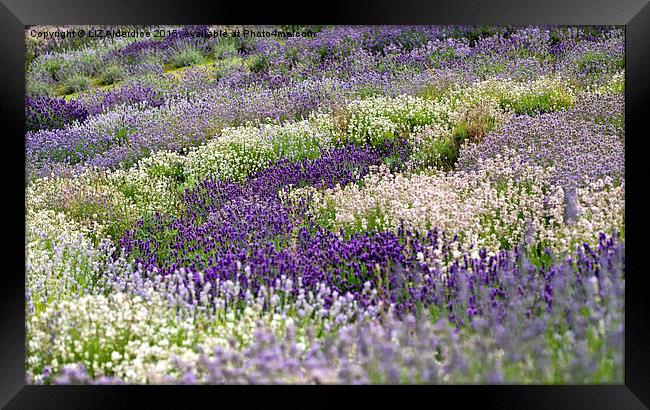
(634,14)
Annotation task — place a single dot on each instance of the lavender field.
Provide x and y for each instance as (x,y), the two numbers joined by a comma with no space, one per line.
(391,205)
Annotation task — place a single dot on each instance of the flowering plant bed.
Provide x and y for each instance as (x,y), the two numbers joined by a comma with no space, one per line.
(427,204)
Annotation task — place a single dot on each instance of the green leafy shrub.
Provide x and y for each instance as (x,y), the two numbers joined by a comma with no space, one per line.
(53,67)
(34,88)
(224,48)
(292,54)
(111,75)
(245,44)
(225,65)
(76,83)
(258,63)
(186,57)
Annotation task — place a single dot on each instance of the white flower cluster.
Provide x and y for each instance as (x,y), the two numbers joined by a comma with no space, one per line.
(495,207)
(240,151)
(116,334)
(615,85)
(139,336)
(153,184)
(549,93)
(91,198)
(373,120)
(62,261)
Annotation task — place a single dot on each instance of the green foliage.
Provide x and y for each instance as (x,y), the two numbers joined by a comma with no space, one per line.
(433,91)
(438,56)
(618,87)
(258,63)
(595,64)
(616,120)
(31,50)
(475,34)
(53,66)
(226,47)
(159,83)
(186,57)
(323,52)
(245,44)
(620,63)
(441,153)
(111,75)
(536,103)
(371,220)
(173,171)
(35,88)
(164,238)
(121,135)
(90,64)
(489,68)
(368,90)
(76,83)
(411,39)
(222,67)
(152,58)
(292,54)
